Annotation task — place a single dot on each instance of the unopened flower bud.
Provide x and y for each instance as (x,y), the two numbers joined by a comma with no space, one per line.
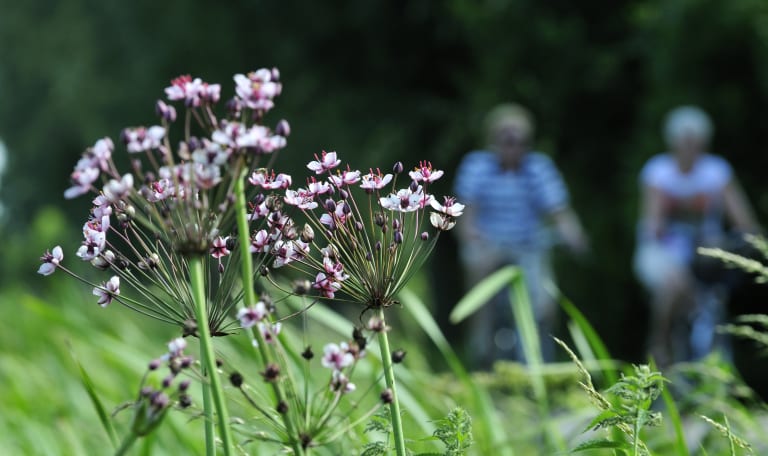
(146,391)
(308,353)
(386,396)
(165,111)
(414,187)
(186,362)
(185,400)
(283,128)
(398,237)
(167,380)
(282,407)
(307,234)
(220,267)
(377,325)
(231,242)
(154,364)
(301,287)
(359,226)
(264,271)
(219,362)
(343,194)
(160,401)
(275,74)
(330,205)
(236,379)
(398,168)
(271,372)
(398,355)
(184,385)
(379,219)
(396,224)
(377,246)
(424,236)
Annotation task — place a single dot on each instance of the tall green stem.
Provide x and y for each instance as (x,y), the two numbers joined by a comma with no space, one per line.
(249,297)
(210,433)
(126,444)
(197,280)
(389,377)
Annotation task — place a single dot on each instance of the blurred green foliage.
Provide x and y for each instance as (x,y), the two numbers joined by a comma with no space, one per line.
(386,80)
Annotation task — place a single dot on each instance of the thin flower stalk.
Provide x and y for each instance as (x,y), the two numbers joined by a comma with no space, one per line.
(207,356)
(389,378)
(249,298)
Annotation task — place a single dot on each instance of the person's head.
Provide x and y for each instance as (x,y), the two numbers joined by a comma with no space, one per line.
(687,131)
(509,129)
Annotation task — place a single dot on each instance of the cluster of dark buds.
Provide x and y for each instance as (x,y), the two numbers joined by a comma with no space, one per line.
(154,400)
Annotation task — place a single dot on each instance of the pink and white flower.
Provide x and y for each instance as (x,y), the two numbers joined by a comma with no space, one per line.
(326,162)
(337,356)
(340,383)
(450,206)
(142,139)
(101,207)
(176,347)
(107,291)
(425,173)
(300,198)
(82,180)
(219,247)
(258,88)
(261,242)
(116,190)
(269,331)
(326,285)
(94,232)
(249,316)
(406,200)
(317,188)
(192,91)
(375,180)
(101,152)
(211,153)
(269,181)
(51,261)
(347,177)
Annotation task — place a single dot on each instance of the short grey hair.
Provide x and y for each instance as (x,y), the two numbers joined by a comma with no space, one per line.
(687,120)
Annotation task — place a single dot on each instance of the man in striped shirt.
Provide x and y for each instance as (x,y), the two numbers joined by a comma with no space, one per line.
(511,194)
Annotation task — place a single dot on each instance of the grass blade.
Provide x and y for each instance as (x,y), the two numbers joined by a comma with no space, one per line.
(104,418)
(490,439)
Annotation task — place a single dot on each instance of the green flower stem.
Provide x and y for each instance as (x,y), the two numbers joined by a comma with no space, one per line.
(197,280)
(249,297)
(210,433)
(126,444)
(389,377)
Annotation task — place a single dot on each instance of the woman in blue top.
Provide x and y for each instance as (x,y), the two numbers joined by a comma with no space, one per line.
(511,193)
(686,195)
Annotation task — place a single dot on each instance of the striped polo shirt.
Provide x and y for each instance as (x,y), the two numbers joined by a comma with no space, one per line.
(511,206)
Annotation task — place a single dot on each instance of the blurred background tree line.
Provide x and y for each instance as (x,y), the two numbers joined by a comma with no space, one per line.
(381,81)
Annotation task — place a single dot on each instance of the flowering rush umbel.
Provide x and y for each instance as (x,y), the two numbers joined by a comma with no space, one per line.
(363,236)
(175,199)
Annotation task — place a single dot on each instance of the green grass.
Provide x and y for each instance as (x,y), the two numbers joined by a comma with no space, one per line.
(47,410)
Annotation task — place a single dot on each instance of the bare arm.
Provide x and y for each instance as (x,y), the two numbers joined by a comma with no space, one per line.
(569,228)
(652,211)
(737,208)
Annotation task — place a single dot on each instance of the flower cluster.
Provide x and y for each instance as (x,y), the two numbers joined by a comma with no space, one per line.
(258,315)
(338,358)
(176,201)
(365,249)
(154,401)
